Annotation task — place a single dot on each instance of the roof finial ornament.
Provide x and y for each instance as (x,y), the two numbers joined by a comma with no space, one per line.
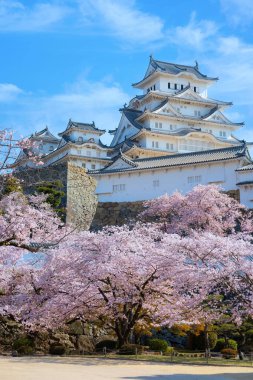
(93,123)
(125,105)
(151,57)
(196,65)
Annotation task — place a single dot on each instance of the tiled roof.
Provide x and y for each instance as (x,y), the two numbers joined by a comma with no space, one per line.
(182,159)
(83,126)
(131,115)
(245,183)
(247,167)
(174,69)
(44,134)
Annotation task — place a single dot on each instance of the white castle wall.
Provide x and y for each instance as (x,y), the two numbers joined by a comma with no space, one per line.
(143,185)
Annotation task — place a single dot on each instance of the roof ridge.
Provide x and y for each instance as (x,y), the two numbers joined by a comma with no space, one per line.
(198,153)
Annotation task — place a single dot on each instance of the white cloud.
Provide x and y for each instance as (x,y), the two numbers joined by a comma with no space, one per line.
(196,34)
(238,11)
(15,16)
(8,92)
(124,20)
(83,101)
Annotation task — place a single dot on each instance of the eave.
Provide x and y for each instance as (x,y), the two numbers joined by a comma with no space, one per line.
(142,83)
(149,115)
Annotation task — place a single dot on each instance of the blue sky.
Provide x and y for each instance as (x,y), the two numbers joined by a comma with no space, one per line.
(76,59)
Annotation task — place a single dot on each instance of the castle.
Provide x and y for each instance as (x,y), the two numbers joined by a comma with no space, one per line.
(171,137)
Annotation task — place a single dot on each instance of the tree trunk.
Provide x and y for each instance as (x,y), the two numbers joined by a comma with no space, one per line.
(207,343)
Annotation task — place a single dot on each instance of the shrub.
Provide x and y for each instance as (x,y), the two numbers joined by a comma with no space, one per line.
(130,349)
(198,341)
(23,346)
(222,344)
(229,353)
(158,345)
(109,344)
(57,349)
(169,351)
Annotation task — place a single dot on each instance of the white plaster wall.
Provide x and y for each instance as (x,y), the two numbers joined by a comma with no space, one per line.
(246,175)
(85,135)
(246,195)
(163,84)
(140,186)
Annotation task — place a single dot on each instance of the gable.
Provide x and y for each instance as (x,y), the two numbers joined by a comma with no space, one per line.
(218,117)
(168,109)
(119,164)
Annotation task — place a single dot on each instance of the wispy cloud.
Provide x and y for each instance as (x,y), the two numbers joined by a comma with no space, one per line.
(238,12)
(15,16)
(82,101)
(196,34)
(124,20)
(9,92)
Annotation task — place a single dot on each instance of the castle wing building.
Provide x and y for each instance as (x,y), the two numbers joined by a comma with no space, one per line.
(170,137)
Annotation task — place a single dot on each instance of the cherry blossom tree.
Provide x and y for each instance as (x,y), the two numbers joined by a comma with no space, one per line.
(10,146)
(123,278)
(28,223)
(145,275)
(204,208)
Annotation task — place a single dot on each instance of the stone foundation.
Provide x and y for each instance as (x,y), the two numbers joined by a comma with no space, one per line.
(80,200)
(115,213)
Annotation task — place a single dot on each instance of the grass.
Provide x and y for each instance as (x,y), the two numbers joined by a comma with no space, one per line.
(184,360)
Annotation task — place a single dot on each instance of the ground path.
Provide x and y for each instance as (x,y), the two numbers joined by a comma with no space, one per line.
(63,368)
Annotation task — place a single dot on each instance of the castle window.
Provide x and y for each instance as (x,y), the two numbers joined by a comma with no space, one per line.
(160,125)
(175,86)
(169,85)
(79,151)
(154,87)
(156,124)
(88,153)
(120,187)
(182,86)
(41,147)
(93,166)
(83,165)
(194,179)
(80,139)
(169,146)
(195,89)
(223,134)
(51,148)
(156,183)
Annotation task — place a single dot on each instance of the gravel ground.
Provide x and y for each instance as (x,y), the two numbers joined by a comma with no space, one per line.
(61,368)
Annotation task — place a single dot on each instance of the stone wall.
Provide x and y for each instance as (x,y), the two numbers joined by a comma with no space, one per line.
(80,200)
(118,213)
(115,213)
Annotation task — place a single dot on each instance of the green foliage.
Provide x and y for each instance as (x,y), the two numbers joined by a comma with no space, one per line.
(130,349)
(158,345)
(55,194)
(23,345)
(229,353)
(109,344)
(223,343)
(11,185)
(57,349)
(198,341)
(169,351)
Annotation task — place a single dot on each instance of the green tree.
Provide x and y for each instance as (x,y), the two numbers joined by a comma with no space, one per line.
(55,195)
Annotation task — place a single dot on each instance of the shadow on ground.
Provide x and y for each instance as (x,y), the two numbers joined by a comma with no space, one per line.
(216,376)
